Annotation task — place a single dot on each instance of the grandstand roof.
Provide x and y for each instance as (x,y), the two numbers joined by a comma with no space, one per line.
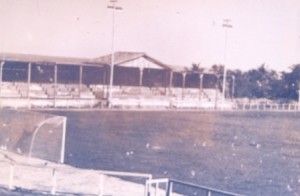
(48,59)
(124,57)
(120,58)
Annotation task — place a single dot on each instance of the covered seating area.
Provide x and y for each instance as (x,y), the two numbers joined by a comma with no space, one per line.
(139,81)
(42,81)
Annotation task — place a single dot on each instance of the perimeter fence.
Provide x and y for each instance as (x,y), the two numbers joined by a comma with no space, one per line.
(172,187)
(266,107)
(45,178)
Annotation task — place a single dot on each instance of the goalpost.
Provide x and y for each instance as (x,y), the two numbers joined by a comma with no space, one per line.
(33,134)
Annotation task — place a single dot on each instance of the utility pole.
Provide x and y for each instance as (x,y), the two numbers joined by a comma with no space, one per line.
(226,25)
(114,7)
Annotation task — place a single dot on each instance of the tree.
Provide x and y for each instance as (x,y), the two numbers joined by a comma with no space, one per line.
(217,69)
(291,83)
(196,68)
(261,82)
(256,83)
(193,75)
(240,89)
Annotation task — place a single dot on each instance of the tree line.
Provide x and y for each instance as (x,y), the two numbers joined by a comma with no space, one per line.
(260,82)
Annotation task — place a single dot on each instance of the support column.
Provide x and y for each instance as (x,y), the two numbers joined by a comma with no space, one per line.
(28,79)
(107,75)
(201,86)
(141,78)
(28,84)
(104,86)
(1,73)
(298,99)
(55,84)
(233,84)
(166,85)
(80,79)
(104,82)
(1,78)
(217,90)
(183,84)
(170,82)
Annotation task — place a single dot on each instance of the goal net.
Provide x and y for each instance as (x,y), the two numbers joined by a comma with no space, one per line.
(33,134)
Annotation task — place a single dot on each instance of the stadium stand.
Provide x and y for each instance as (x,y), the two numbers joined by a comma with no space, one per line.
(139,81)
(9,90)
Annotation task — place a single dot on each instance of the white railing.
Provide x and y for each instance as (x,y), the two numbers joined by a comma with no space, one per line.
(122,174)
(62,179)
(169,184)
(266,107)
(36,103)
(59,180)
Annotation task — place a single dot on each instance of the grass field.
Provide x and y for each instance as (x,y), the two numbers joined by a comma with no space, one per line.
(252,153)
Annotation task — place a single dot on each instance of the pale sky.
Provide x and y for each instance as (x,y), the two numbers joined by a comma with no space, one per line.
(176,32)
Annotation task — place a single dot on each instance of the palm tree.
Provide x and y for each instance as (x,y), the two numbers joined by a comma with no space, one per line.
(217,69)
(196,68)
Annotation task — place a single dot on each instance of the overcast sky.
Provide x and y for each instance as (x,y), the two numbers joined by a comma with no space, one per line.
(177,32)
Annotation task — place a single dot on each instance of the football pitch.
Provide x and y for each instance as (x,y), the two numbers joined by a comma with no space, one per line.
(252,153)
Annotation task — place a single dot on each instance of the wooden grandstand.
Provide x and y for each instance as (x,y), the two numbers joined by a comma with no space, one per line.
(139,81)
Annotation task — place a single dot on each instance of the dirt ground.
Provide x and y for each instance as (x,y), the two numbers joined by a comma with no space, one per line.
(33,176)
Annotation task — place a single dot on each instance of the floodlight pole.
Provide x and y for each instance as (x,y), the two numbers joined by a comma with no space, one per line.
(226,25)
(112,63)
(63,140)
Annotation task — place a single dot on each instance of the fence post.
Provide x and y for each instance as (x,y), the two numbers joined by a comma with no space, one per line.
(169,188)
(101,187)
(147,190)
(156,188)
(53,190)
(208,193)
(11,176)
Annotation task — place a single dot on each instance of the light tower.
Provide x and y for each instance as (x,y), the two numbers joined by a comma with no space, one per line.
(226,25)
(114,7)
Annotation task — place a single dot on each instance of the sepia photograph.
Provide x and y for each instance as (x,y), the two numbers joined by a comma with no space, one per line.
(150,97)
